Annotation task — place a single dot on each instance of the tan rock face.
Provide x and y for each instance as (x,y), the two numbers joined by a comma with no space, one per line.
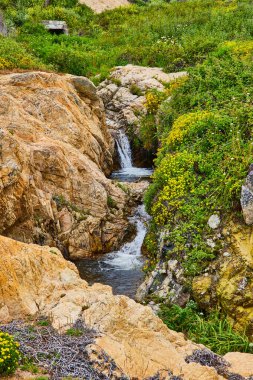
(54,154)
(240,363)
(37,280)
(99,6)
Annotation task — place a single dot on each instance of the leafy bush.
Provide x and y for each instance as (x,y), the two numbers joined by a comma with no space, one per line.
(206,148)
(13,55)
(214,331)
(9,354)
(181,35)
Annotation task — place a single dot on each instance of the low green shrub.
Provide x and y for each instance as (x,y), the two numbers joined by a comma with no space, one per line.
(74,332)
(205,137)
(214,330)
(13,55)
(9,354)
(181,35)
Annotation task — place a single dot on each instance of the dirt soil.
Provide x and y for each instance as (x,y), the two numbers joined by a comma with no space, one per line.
(99,6)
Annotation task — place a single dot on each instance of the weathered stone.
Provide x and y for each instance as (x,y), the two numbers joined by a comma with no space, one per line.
(121,104)
(247,204)
(56,26)
(55,153)
(3,28)
(37,280)
(230,282)
(201,287)
(165,282)
(240,363)
(214,221)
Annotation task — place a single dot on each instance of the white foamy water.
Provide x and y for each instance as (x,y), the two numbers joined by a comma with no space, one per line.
(129,256)
(124,150)
(122,269)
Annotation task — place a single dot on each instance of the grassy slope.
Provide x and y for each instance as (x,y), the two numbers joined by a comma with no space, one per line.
(172,36)
(205,133)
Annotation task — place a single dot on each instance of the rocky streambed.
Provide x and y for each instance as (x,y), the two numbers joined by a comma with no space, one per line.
(58,197)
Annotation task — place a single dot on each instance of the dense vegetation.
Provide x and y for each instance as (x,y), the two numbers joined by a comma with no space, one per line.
(205,153)
(204,133)
(180,35)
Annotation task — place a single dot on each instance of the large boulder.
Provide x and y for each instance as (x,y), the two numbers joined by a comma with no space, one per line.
(55,153)
(37,280)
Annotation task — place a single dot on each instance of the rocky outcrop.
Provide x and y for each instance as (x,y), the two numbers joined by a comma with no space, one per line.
(123,93)
(37,280)
(99,6)
(55,153)
(124,98)
(227,282)
(166,281)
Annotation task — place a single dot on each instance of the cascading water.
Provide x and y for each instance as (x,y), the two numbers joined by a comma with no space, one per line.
(124,150)
(129,256)
(122,269)
(128,172)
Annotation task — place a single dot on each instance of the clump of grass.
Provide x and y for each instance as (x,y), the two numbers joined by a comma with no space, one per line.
(135,90)
(43,322)
(29,366)
(74,332)
(116,81)
(214,330)
(111,203)
(123,187)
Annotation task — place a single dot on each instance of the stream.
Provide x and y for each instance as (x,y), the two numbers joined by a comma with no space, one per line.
(122,269)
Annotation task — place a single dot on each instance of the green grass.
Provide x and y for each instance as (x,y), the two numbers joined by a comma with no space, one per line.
(74,332)
(214,331)
(179,36)
(29,366)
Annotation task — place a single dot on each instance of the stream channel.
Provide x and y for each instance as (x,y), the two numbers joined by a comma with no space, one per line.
(122,269)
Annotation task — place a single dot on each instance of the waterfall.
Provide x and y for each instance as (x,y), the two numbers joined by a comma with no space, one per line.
(124,150)
(129,255)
